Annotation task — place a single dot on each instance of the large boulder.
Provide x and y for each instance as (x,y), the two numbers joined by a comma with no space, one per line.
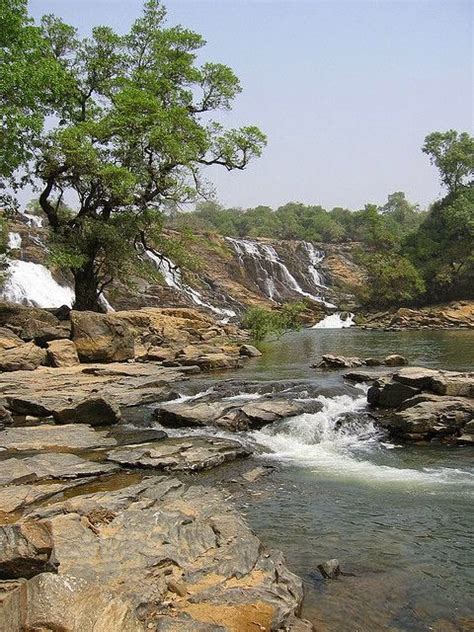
(250,351)
(418,377)
(454,384)
(96,411)
(390,394)
(395,360)
(101,337)
(26,549)
(330,361)
(62,353)
(8,339)
(27,357)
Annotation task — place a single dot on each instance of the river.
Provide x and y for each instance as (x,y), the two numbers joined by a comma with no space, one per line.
(398,518)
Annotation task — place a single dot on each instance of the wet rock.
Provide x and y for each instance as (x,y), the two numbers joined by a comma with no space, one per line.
(395,360)
(418,377)
(390,394)
(53,437)
(467,435)
(338,362)
(198,453)
(161,531)
(26,357)
(454,384)
(96,411)
(372,362)
(62,353)
(41,332)
(257,472)
(361,376)
(330,569)
(49,466)
(265,411)
(250,351)
(101,337)
(26,549)
(66,603)
(177,415)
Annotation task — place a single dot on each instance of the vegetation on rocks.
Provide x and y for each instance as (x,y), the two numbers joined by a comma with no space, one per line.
(263,323)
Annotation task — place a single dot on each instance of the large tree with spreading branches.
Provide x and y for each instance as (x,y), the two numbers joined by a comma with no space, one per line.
(129,131)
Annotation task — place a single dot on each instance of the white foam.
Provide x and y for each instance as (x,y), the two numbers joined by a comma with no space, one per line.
(335,321)
(14,241)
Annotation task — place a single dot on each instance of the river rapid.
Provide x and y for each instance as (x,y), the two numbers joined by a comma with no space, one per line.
(398,518)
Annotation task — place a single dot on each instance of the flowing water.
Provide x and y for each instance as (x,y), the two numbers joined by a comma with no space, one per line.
(398,518)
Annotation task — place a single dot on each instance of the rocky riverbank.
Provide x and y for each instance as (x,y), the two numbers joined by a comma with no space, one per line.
(455,315)
(104,523)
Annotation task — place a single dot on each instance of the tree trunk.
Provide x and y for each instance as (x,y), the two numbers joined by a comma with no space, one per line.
(86,287)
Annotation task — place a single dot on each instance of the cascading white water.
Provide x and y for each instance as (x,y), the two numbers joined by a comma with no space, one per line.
(335,321)
(33,284)
(269,269)
(173,278)
(32,220)
(14,241)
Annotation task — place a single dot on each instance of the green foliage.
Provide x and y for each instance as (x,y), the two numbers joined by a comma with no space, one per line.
(263,323)
(133,131)
(392,280)
(453,154)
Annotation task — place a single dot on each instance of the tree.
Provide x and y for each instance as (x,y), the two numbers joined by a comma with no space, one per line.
(131,134)
(453,154)
(262,322)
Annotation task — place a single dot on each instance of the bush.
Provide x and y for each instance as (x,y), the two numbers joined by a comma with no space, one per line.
(262,322)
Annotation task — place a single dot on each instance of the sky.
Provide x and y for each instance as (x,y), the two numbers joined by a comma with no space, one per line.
(346,91)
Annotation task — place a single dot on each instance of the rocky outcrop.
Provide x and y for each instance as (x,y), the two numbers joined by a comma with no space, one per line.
(341,362)
(96,411)
(176,555)
(455,315)
(46,437)
(15,315)
(426,404)
(42,333)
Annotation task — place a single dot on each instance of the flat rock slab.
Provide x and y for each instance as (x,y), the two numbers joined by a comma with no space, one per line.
(53,437)
(198,453)
(50,466)
(177,554)
(18,497)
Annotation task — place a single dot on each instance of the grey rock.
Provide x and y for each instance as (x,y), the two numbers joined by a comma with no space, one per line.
(390,394)
(198,453)
(417,377)
(53,437)
(18,497)
(49,466)
(338,362)
(330,569)
(395,360)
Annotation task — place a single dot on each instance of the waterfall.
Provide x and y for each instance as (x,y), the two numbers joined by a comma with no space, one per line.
(14,241)
(33,221)
(270,273)
(335,321)
(33,284)
(173,278)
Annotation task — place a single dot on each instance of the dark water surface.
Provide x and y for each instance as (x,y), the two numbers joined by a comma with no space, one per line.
(400,519)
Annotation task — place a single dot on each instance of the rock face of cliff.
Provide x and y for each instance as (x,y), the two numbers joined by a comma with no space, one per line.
(228,275)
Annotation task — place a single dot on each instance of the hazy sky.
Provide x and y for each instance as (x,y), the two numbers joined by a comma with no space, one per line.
(345,90)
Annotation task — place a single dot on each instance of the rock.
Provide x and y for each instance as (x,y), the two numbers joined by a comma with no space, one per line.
(395,360)
(26,549)
(200,453)
(361,376)
(160,531)
(17,315)
(250,351)
(454,384)
(212,361)
(25,358)
(96,411)
(66,603)
(101,337)
(418,377)
(9,340)
(18,497)
(41,332)
(186,414)
(390,394)
(62,353)
(330,569)
(265,411)
(338,362)
(49,466)
(28,406)
(428,416)
(5,417)
(52,437)
(372,362)
(257,472)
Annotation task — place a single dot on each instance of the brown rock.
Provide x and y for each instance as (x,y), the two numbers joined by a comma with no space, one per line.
(41,332)
(26,549)
(395,360)
(101,337)
(62,353)
(18,315)
(9,340)
(95,411)
(250,351)
(25,358)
